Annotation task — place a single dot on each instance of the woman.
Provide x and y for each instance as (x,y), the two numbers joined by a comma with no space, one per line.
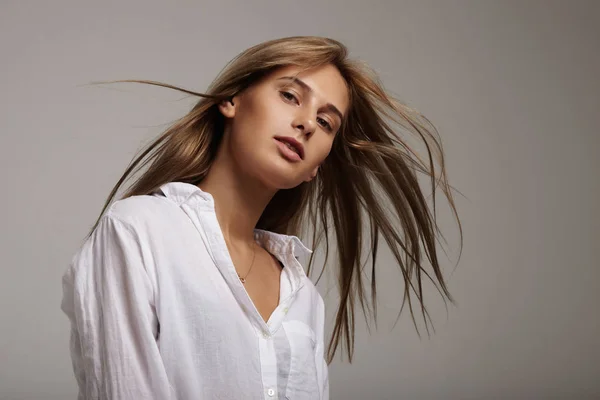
(190,287)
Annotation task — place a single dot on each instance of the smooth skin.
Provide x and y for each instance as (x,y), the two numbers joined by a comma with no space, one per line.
(249,168)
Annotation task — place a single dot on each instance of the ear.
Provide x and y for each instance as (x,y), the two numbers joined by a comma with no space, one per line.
(227,108)
(313,174)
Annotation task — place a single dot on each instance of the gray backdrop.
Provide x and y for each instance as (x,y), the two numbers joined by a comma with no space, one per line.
(512,86)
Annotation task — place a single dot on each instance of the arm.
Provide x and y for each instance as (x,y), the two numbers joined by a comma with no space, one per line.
(322,368)
(108,298)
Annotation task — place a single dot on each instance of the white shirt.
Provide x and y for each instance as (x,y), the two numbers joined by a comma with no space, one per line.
(157,310)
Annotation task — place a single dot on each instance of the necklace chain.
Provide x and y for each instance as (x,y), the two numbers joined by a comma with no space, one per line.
(243,279)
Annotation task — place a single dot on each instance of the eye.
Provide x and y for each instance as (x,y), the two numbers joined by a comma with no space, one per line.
(288,96)
(325,124)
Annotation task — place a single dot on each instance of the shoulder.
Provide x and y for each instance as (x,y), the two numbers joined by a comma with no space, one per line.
(309,310)
(115,235)
(126,221)
(128,224)
(147,216)
(312,293)
(136,210)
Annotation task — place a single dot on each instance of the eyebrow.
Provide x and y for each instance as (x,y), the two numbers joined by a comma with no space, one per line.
(306,87)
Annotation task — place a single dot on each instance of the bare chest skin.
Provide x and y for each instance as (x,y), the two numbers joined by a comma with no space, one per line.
(262,284)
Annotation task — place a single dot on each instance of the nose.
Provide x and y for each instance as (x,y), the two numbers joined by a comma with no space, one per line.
(305,124)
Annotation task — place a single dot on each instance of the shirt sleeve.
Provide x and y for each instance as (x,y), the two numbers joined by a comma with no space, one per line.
(322,368)
(108,297)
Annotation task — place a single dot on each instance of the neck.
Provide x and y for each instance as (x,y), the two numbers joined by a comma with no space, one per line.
(239,200)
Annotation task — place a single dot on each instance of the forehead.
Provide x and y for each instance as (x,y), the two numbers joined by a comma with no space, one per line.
(326,82)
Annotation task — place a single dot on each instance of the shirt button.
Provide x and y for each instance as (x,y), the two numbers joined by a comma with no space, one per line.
(271,392)
(285,310)
(266,334)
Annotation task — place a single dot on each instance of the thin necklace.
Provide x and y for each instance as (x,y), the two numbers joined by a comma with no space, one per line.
(243,279)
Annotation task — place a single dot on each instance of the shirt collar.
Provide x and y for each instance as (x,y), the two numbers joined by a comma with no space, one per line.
(181,192)
(200,208)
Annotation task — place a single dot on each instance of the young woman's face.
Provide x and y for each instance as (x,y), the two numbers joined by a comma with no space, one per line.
(308,108)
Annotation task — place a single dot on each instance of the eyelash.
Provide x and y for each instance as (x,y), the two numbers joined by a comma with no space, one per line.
(327,124)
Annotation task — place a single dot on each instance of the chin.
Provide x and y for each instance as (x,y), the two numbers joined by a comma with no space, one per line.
(281,183)
(281,176)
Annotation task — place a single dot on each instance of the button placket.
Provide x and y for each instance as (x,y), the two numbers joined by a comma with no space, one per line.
(268,362)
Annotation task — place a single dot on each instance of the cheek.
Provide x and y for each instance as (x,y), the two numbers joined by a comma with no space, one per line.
(263,121)
(320,153)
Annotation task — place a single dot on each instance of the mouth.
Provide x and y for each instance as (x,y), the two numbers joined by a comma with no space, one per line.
(292,144)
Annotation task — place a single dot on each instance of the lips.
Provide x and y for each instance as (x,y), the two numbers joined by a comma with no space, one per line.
(293,144)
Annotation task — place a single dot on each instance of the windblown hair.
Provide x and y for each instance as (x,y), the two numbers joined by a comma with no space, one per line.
(370,172)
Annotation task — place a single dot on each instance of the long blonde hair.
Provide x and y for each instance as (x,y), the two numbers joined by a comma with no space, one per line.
(370,168)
